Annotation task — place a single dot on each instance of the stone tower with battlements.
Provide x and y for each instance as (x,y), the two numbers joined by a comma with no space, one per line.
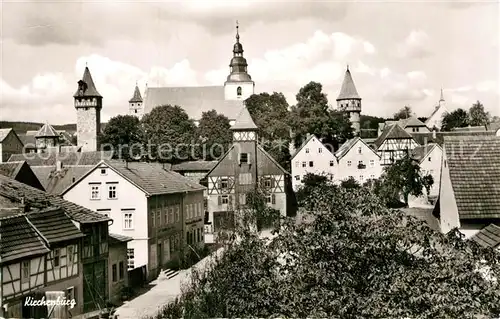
(88,104)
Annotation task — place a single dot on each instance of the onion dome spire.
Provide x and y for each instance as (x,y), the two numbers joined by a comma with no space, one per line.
(238,66)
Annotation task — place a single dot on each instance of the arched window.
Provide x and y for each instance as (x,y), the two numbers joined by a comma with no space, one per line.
(238,91)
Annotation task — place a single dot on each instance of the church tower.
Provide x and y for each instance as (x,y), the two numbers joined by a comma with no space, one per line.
(239,84)
(88,104)
(135,103)
(349,101)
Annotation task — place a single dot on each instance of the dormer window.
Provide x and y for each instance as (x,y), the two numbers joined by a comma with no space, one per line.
(82,86)
(238,91)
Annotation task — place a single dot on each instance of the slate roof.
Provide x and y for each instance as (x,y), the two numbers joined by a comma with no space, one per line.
(152,179)
(474,166)
(3,133)
(194,100)
(194,166)
(392,132)
(488,237)
(11,169)
(54,225)
(115,239)
(419,153)
(244,121)
(15,192)
(19,239)
(66,158)
(348,89)
(55,182)
(91,90)
(137,96)
(47,131)
(425,138)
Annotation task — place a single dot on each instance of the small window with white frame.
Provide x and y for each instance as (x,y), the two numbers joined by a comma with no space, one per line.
(112,191)
(331,163)
(304,164)
(372,163)
(128,219)
(225,199)
(307,151)
(349,163)
(360,150)
(130,258)
(104,171)
(95,191)
(320,150)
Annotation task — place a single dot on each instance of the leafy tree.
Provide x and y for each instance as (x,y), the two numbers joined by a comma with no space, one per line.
(270,114)
(170,134)
(310,182)
(214,131)
(311,115)
(403,113)
(123,134)
(354,259)
(478,116)
(403,178)
(350,183)
(457,118)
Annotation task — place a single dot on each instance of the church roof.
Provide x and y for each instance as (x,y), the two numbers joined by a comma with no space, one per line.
(348,90)
(91,90)
(137,96)
(47,131)
(244,121)
(194,100)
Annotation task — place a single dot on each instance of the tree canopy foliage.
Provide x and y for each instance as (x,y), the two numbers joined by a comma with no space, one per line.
(478,116)
(124,135)
(215,136)
(170,133)
(457,118)
(403,113)
(270,114)
(312,115)
(354,259)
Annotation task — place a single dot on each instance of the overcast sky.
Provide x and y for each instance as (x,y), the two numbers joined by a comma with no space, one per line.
(399,53)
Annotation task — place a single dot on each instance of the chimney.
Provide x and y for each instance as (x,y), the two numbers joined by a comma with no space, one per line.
(434,134)
(59,166)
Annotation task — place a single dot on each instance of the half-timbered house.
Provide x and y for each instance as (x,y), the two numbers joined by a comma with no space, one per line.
(245,167)
(94,252)
(393,144)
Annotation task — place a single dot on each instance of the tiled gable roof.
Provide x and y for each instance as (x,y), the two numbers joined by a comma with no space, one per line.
(151,178)
(420,152)
(54,225)
(54,181)
(391,132)
(91,90)
(194,166)
(19,239)
(37,199)
(115,239)
(194,100)
(66,158)
(488,237)
(11,169)
(47,131)
(348,89)
(474,166)
(348,145)
(425,138)
(413,121)
(244,121)
(3,133)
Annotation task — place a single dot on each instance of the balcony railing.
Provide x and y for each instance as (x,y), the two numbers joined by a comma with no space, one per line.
(361,166)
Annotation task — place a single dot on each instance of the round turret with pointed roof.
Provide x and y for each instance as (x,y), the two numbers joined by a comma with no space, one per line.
(136,98)
(86,86)
(348,90)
